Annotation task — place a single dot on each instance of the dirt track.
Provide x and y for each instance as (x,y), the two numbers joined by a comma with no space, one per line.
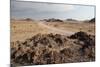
(21,30)
(55,30)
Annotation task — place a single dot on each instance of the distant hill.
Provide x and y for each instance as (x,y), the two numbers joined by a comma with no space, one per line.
(71,20)
(53,20)
(28,19)
(92,20)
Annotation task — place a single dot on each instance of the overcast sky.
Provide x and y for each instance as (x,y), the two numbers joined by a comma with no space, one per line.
(46,10)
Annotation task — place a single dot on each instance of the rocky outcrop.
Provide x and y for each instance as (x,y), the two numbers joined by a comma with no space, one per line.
(53,49)
(53,20)
(92,20)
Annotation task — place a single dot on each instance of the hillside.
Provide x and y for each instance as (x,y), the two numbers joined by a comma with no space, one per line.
(51,49)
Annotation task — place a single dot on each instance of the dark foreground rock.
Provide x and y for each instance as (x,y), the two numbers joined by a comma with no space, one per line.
(53,49)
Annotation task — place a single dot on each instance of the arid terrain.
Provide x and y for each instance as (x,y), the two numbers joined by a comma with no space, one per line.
(51,42)
(21,29)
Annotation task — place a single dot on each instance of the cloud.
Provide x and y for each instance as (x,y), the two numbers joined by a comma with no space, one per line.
(46,7)
(38,10)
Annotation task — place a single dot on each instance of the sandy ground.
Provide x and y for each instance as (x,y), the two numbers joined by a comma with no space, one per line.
(21,30)
(39,42)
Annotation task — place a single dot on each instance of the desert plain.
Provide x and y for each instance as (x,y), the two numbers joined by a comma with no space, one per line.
(37,42)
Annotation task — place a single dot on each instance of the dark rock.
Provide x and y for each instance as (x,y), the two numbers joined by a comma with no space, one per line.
(45,49)
(92,20)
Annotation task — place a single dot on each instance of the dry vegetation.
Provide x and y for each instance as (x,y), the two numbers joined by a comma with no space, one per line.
(74,26)
(21,30)
(33,43)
